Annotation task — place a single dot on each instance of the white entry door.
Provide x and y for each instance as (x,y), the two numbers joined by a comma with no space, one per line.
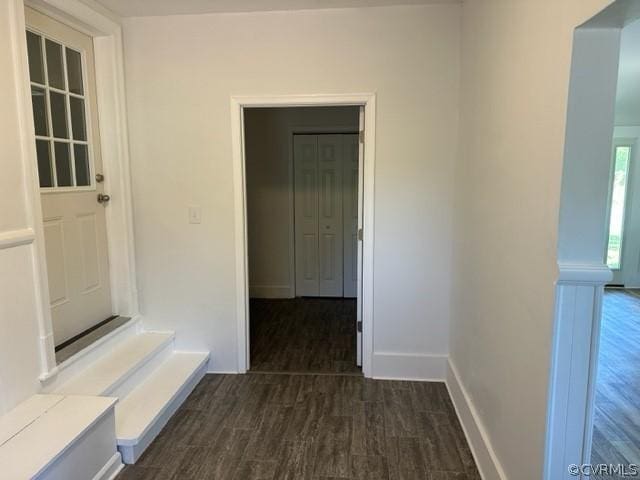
(318,166)
(61,69)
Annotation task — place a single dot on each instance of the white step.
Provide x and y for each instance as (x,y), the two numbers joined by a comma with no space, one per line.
(58,437)
(116,372)
(146,409)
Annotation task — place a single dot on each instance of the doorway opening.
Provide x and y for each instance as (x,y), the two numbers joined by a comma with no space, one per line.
(616,413)
(592,428)
(70,179)
(302,188)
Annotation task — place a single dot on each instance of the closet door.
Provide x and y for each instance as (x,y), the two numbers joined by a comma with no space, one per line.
(330,155)
(305,155)
(350,210)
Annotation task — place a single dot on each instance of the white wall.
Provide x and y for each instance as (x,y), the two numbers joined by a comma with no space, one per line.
(181,72)
(270,189)
(515,74)
(19,336)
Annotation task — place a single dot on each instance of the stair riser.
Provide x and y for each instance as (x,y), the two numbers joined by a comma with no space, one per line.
(142,371)
(131,453)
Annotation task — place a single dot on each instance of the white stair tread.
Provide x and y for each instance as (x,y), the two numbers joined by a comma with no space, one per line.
(106,372)
(45,438)
(24,414)
(137,412)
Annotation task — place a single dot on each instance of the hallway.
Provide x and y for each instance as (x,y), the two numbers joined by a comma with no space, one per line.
(243,427)
(304,335)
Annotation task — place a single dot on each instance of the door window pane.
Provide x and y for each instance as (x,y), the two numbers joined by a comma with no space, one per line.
(63,164)
(55,69)
(45,172)
(74,71)
(59,114)
(39,103)
(622,157)
(34,49)
(59,111)
(78,122)
(81,156)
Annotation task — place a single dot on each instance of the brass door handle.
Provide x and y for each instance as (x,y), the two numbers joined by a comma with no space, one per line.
(103,198)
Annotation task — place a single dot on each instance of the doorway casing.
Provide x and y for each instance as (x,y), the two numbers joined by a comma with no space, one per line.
(238,104)
(109,66)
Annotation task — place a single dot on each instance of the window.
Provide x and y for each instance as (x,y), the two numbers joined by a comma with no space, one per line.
(620,177)
(59,114)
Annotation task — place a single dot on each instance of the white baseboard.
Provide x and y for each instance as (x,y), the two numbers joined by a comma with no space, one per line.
(477,437)
(271,291)
(415,366)
(111,469)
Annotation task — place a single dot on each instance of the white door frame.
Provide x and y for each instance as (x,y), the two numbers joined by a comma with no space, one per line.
(292,240)
(109,64)
(238,103)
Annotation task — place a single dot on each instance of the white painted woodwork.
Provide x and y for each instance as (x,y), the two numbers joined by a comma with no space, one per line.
(144,411)
(319,190)
(368,104)
(330,226)
(579,294)
(305,148)
(62,437)
(350,181)
(360,250)
(75,229)
(109,374)
(126,8)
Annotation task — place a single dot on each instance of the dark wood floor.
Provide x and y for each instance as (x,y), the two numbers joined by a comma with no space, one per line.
(265,426)
(616,436)
(310,335)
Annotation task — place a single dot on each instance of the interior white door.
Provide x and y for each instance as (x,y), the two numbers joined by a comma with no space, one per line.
(351,148)
(330,166)
(360,227)
(305,155)
(62,75)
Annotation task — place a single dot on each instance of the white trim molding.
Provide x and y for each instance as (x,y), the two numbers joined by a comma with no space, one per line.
(477,437)
(237,105)
(16,238)
(579,293)
(410,366)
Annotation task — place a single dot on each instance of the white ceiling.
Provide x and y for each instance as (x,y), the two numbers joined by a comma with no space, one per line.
(628,97)
(144,8)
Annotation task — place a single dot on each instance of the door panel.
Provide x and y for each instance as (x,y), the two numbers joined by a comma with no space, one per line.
(62,77)
(305,149)
(350,209)
(330,155)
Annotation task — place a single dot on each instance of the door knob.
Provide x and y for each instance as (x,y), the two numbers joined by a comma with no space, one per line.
(103,198)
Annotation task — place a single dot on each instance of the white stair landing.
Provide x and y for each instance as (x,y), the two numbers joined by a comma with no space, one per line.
(114,373)
(58,437)
(146,409)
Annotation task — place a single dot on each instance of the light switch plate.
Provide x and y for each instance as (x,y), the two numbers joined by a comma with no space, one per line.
(195,214)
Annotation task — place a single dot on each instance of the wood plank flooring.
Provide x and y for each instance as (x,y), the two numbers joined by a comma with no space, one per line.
(309,335)
(316,427)
(616,436)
